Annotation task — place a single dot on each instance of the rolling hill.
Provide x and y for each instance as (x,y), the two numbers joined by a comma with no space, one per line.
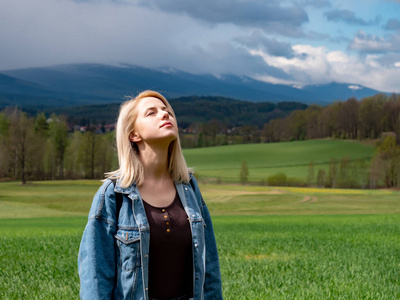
(85,84)
(264,160)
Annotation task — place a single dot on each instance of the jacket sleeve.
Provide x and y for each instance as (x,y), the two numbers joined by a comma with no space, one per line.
(212,285)
(96,259)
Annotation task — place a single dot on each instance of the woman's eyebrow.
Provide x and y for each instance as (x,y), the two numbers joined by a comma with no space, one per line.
(154,108)
(150,108)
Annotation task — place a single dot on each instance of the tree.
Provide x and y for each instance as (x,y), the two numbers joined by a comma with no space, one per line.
(211,129)
(58,132)
(332,176)
(244,173)
(4,136)
(41,129)
(297,124)
(314,128)
(73,165)
(388,155)
(310,177)
(360,172)
(249,133)
(107,160)
(347,119)
(278,179)
(200,140)
(41,125)
(343,178)
(329,117)
(90,154)
(370,116)
(19,144)
(321,178)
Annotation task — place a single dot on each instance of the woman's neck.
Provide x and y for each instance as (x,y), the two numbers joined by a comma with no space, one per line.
(155,162)
(158,188)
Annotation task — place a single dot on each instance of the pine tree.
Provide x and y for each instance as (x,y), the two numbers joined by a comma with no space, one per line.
(244,173)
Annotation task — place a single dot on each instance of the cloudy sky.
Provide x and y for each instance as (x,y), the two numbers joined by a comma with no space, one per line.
(296,42)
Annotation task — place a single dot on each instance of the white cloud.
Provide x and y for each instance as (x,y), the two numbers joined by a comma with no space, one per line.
(318,65)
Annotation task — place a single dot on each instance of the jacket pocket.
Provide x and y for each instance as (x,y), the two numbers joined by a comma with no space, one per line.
(198,228)
(128,244)
(197,222)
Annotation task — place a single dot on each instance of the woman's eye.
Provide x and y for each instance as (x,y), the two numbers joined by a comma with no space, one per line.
(150,113)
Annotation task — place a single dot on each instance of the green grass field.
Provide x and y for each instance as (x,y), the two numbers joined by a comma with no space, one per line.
(274,243)
(264,160)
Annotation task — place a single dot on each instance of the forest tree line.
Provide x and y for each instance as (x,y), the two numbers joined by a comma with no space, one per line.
(351,119)
(368,118)
(42,148)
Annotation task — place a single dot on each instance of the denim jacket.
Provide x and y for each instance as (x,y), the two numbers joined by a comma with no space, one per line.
(114,252)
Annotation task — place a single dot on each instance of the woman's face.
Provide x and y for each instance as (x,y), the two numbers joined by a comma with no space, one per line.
(154,123)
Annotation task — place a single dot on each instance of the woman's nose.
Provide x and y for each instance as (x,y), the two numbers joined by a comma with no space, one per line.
(165,115)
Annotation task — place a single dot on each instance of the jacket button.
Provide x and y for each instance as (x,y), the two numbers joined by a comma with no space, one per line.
(195,245)
(185,188)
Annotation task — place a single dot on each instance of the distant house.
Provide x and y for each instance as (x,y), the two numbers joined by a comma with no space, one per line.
(109,128)
(99,129)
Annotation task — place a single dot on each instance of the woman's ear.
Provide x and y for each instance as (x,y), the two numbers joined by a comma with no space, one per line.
(135,137)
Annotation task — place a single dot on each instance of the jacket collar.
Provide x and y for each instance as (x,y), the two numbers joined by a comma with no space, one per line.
(132,188)
(127,190)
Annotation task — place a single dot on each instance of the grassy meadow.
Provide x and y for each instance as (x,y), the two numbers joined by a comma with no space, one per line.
(274,243)
(264,160)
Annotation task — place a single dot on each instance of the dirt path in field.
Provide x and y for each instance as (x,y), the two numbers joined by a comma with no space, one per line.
(228,195)
(309,199)
(273,192)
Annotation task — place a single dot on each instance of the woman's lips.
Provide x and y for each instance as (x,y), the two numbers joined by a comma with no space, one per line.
(166,124)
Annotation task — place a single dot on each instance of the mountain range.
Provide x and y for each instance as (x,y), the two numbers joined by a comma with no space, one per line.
(88,84)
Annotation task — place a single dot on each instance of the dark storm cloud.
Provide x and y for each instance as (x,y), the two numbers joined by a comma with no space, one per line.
(349,17)
(393,24)
(270,46)
(368,43)
(122,33)
(269,16)
(226,58)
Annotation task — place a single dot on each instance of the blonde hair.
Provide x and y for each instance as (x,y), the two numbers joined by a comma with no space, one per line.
(130,167)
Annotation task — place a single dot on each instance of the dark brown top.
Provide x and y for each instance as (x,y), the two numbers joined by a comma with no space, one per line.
(170,258)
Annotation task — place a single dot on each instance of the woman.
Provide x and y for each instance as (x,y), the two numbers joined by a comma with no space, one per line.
(149,233)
